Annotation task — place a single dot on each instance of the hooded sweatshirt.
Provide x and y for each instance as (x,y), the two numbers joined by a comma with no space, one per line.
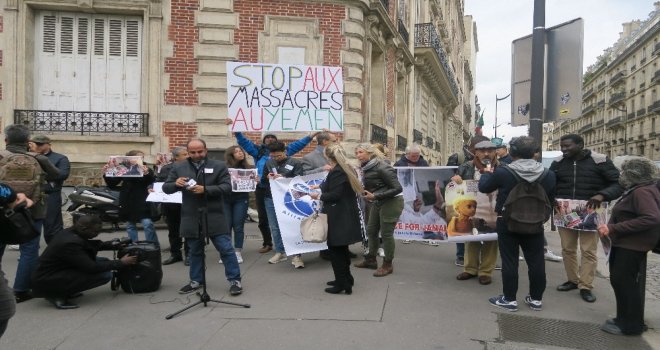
(503,181)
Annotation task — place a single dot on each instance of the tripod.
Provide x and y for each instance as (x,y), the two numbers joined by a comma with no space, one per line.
(204,297)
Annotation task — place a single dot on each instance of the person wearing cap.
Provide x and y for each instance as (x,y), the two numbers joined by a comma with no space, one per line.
(503,155)
(53,222)
(261,154)
(480,257)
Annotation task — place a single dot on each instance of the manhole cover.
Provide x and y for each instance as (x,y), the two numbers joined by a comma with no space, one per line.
(562,333)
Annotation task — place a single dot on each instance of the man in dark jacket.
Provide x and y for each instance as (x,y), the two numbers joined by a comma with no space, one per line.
(584,175)
(503,155)
(412,157)
(17,138)
(531,243)
(203,182)
(172,211)
(279,165)
(53,223)
(69,264)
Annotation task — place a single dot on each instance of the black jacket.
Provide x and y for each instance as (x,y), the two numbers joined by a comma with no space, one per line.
(380,179)
(133,192)
(289,167)
(69,261)
(584,178)
(340,203)
(213,175)
(403,161)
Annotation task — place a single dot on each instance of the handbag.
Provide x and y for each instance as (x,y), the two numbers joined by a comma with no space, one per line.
(314,228)
(18,226)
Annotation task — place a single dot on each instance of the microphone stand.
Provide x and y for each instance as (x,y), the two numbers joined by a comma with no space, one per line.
(203,234)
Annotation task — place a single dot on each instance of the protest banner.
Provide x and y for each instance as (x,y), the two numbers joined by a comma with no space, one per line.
(292,204)
(429,196)
(243,180)
(159,196)
(574,213)
(124,166)
(280,97)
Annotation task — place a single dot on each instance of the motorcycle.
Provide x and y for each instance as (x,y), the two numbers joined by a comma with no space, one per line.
(99,201)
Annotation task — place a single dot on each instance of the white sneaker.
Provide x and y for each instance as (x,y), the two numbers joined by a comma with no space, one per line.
(433,243)
(239,257)
(13,247)
(220,261)
(297,262)
(381,252)
(406,241)
(549,255)
(521,258)
(278,257)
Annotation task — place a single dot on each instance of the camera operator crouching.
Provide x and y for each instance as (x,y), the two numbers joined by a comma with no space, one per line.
(69,265)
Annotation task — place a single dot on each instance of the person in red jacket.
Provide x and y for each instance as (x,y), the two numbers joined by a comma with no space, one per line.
(634,229)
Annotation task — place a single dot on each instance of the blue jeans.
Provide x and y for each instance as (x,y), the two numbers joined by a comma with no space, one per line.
(223,244)
(274,226)
(149,230)
(27,261)
(235,212)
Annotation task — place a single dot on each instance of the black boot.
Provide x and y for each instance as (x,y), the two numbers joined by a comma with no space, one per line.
(174,258)
(62,303)
(351,281)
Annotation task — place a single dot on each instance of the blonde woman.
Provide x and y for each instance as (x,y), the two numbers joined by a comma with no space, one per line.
(383,189)
(339,196)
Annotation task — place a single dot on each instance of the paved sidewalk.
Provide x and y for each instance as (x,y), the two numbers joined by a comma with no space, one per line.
(420,306)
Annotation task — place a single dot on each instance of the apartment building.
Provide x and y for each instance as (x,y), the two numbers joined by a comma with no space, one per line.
(102,77)
(620,96)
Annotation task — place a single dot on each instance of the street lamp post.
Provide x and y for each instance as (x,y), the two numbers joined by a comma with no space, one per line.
(497,99)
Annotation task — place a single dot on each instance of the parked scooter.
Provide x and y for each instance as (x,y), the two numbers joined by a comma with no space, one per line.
(99,201)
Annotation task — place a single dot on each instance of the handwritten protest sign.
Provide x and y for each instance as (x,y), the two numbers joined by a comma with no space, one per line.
(243,180)
(280,97)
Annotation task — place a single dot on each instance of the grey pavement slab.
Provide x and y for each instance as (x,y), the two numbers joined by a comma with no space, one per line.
(420,306)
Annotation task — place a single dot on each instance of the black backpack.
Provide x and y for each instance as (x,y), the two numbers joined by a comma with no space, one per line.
(527,207)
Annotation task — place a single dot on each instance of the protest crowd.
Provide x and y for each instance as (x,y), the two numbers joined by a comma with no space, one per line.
(491,200)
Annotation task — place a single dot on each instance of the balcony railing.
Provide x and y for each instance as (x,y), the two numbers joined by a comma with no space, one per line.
(656,49)
(642,61)
(467,112)
(588,93)
(656,75)
(588,109)
(641,112)
(652,134)
(613,121)
(426,36)
(586,128)
(642,86)
(418,138)
(437,146)
(401,143)
(601,85)
(83,123)
(655,107)
(403,31)
(615,98)
(429,142)
(601,103)
(600,122)
(378,134)
(618,77)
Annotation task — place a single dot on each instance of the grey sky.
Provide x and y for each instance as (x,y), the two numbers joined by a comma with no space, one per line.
(499,22)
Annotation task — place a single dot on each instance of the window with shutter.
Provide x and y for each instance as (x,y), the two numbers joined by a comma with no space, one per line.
(88,62)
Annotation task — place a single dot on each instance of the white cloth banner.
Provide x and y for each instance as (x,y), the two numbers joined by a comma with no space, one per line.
(159,196)
(281,97)
(292,204)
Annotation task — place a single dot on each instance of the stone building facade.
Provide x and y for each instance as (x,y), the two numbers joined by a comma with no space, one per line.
(102,77)
(620,96)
